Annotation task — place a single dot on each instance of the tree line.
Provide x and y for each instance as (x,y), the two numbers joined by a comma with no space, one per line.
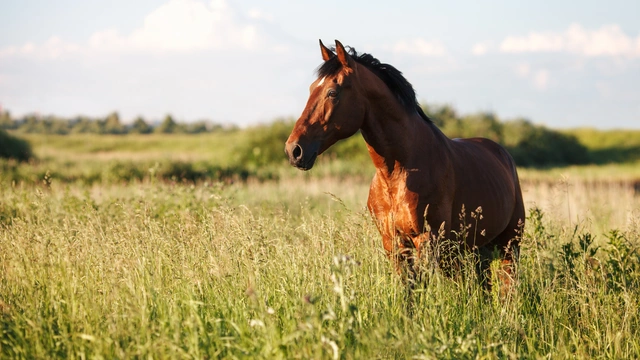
(111,124)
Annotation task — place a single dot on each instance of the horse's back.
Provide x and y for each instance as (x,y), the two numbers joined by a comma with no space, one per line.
(478,148)
(480,155)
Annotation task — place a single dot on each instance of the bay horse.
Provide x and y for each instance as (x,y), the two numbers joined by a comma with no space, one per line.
(423,179)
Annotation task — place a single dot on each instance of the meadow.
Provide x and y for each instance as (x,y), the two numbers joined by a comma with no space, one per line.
(160,246)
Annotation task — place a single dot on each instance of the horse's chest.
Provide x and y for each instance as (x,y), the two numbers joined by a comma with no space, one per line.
(395,209)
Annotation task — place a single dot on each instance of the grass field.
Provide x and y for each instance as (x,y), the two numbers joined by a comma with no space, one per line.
(292,267)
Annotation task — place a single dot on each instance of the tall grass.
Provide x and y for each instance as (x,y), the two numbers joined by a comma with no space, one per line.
(161,270)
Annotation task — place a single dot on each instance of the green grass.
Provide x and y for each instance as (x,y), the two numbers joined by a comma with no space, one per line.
(600,139)
(216,147)
(285,271)
(629,171)
(609,146)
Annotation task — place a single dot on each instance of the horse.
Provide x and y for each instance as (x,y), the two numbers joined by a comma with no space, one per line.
(423,180)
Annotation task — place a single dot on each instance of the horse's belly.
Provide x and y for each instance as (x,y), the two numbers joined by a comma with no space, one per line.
(486,214)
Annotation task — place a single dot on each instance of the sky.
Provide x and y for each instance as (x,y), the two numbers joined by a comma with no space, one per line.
(562,64)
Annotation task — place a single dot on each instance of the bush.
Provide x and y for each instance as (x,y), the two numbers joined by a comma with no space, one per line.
(140,127)
(12,147)
(353,149)
(264,144)
(536,146)
(529,144)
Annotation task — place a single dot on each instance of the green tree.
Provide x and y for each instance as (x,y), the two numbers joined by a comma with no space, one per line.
(59,127)
(537,146)
(140,126)
(30,124)
(444,116)
(6,122)
(84,125)
(481,125)
(168,126)
(112,124)
(197,127)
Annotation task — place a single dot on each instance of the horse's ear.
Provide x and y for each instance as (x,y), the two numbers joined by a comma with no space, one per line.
(326,53)
(343,56)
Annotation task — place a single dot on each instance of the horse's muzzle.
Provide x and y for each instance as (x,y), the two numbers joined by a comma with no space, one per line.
(301,157)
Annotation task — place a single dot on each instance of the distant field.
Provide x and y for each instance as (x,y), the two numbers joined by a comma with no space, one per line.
(184,246)
(215,147)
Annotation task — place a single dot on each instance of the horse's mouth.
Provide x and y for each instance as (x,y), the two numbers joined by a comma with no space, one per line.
(307,165)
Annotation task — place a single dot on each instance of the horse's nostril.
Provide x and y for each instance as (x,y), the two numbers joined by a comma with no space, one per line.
(297,152)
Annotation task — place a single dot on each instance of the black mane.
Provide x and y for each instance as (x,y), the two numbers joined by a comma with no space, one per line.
(391,76)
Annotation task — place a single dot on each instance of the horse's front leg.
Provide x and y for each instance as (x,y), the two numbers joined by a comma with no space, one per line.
(400,252)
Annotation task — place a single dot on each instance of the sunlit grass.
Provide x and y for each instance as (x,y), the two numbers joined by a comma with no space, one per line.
(601,139)
(589,173)
(290,269)
(215,147)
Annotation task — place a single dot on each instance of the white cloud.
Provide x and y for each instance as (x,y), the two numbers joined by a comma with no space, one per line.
(608,40)
(523,70)
(56,47)
(255,13)
(419,47)
(51,49)
(541,79)
(176,26)
(480,49)
(183,25)
(186,25)
(13,50)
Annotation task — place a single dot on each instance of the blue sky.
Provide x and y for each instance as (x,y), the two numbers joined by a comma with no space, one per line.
(559,63)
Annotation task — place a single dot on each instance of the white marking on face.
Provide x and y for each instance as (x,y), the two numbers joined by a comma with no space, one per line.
(321,82)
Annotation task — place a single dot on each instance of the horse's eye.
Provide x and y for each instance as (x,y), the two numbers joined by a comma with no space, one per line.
(332,93)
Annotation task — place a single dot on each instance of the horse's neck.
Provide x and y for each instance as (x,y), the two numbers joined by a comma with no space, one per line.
(398,140)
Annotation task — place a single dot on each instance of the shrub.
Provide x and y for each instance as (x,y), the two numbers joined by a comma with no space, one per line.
(140,126)
(12,147)
(264,144)
(353,149)
(536,146)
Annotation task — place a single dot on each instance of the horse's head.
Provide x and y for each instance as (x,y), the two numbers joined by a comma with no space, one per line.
(335,109)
